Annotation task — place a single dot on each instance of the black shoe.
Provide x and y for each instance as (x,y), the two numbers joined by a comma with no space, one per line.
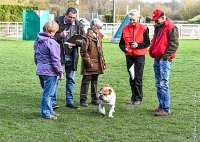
(95,102)
(72,106)
(83,104)
(55,106)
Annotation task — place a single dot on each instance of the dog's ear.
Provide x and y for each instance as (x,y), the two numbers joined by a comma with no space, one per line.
(110,91)
(101,89)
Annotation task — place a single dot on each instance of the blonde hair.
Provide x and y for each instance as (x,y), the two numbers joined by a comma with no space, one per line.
(51,26)
(133,12)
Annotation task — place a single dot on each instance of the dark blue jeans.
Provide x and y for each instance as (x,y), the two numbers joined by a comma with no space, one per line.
(70,83)
(48,84)
(162,72)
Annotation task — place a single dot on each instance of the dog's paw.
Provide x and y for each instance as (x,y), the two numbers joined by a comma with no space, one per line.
(110,116)
(103,115)
(102,112)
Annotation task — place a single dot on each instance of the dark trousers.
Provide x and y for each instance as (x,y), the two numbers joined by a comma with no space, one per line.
(85,85)
(136,84)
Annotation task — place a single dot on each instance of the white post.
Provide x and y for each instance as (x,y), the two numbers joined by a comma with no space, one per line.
(139,9)
(198,32)
(113,18)
(126,9)
(76,6)
(17,30)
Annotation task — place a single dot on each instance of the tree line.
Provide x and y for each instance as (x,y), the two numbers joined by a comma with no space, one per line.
(176,10)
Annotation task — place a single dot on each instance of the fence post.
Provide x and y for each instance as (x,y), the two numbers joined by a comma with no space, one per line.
(198,32)
(6,31)
(180,31)
(17,30)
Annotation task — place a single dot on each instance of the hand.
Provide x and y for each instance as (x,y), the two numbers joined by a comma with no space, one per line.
(134,45)
(64,33)
(127,50)
(78,41)
(69,46)
(104,67)
(90,65)
(61,76)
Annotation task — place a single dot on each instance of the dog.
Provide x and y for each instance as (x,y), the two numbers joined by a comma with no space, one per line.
(107,96)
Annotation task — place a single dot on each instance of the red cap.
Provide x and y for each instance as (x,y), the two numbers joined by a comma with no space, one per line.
(156,14)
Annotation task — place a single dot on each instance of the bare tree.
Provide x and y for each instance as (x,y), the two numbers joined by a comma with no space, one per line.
(190,9)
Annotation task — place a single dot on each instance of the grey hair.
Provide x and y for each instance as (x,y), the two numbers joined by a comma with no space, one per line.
(133,12)
(96,23)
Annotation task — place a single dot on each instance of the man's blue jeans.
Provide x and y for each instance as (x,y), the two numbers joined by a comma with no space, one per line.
(70,83)
(162,72)
(48,84)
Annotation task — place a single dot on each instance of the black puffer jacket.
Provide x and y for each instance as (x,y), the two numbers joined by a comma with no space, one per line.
(77,30)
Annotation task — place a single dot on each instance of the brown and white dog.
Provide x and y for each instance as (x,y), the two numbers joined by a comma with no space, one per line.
(107,96)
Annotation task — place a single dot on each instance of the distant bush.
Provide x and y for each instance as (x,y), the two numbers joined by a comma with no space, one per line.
(13,13)
(109,18)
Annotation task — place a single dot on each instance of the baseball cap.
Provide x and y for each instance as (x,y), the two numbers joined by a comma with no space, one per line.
(156,14)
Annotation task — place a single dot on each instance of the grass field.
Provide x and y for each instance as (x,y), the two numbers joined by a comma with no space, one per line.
(20,95)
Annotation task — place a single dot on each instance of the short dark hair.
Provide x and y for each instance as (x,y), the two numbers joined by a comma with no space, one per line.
(72,10)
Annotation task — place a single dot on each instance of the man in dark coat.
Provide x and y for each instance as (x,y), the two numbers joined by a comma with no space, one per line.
(68,26)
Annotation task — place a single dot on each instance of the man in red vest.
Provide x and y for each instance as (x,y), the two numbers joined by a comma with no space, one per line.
(134,42)
(162,49)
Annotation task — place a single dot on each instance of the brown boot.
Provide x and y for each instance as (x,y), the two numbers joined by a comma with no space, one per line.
(157,109)
(162,113)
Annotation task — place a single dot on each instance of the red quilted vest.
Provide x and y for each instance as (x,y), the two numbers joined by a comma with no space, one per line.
(134,33)
(160,42)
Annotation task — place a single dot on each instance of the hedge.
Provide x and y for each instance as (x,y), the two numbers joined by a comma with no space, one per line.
(13,13)
(109,18)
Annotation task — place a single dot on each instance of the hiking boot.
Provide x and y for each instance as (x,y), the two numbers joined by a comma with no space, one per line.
(137,102)
(157,109)
(72,106)
(134,102)
(51,117)
(131,102)
(162,113)
(56,114)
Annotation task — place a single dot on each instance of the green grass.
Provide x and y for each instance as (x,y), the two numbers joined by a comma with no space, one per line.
(20,95)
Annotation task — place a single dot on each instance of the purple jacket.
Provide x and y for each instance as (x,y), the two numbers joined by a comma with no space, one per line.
(47,55)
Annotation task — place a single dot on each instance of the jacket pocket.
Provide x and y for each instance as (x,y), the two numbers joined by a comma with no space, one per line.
(94,67)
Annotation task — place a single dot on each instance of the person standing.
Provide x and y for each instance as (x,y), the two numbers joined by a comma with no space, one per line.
(68,26)
(93,62)
(134,42)
(47,60)
(163,50)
